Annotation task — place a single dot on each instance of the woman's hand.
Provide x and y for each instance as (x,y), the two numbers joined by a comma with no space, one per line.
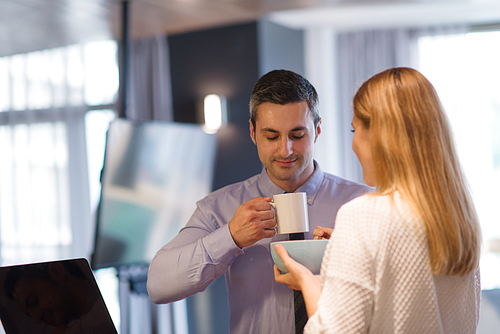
(299,278)
(297,275)
(321,233)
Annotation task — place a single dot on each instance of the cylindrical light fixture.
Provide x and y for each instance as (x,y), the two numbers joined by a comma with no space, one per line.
(215,112)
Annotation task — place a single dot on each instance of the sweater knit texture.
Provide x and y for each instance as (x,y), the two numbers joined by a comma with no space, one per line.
(376,276)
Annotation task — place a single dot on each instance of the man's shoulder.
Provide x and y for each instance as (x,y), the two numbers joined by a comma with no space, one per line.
(235,190)
(336,191)
(337,181)
(242,186)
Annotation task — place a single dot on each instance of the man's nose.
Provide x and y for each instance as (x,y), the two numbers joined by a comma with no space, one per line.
(286,147)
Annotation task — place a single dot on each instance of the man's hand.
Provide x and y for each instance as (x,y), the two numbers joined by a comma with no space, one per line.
(321,233)
(252,221)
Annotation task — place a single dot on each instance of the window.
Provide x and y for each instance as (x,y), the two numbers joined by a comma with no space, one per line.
(44,186)
(34,188)
(465,69)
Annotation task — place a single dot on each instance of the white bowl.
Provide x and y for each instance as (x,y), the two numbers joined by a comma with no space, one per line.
(307,252)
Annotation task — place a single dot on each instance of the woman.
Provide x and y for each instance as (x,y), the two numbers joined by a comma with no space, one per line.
(404,259)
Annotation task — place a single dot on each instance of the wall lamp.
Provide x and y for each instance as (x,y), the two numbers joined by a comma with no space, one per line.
(215,112)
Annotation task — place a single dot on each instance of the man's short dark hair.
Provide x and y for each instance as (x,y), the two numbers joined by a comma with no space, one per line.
(283,87)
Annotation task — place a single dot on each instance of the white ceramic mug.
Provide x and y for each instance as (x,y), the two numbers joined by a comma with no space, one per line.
(291,213)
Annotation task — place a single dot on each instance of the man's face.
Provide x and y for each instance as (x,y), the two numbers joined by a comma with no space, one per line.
(285,136)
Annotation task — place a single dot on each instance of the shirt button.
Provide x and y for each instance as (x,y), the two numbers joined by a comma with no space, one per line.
(235,255)
(309,200)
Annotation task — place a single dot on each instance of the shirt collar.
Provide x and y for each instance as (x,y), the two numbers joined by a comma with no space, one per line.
(310,187)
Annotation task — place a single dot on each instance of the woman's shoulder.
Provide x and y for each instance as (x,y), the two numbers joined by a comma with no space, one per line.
(368,203)
(376,209)
(382,223)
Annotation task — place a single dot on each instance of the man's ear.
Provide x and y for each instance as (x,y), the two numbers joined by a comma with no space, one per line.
(252,132)
(318,130)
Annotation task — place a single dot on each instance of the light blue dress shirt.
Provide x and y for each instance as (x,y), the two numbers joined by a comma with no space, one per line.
(204,250)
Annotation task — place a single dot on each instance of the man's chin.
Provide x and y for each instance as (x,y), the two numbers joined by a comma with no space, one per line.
(285,174)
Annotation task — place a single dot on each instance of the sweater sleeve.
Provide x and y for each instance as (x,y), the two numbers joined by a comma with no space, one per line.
(345,305)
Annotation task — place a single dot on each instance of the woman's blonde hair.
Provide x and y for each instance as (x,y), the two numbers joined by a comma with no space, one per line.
(413,151)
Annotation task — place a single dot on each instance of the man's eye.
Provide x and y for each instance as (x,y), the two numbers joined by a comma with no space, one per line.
(298,136)
(272,138)
(352,130)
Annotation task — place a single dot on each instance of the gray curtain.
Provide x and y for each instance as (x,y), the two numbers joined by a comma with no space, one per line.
(361,55)
(150,94)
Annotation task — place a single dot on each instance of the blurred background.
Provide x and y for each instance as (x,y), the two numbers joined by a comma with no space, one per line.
(70,68)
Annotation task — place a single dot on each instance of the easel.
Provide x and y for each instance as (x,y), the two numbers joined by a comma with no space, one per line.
(139,315)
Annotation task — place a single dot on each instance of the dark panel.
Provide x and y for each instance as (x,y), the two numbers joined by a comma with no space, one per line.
(222,61)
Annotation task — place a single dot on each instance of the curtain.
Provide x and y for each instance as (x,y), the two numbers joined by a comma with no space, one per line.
(149,95)
(361,55)
(45,97)
(41,121)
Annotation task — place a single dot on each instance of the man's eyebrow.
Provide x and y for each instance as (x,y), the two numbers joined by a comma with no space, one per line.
(298,128)
(268,130)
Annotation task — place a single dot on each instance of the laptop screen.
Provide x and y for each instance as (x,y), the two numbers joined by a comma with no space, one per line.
(52,297)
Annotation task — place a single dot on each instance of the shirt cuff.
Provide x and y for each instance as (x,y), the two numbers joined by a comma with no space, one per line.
(223,247)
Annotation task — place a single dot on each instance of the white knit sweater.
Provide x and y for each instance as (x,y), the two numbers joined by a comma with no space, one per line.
(376,277)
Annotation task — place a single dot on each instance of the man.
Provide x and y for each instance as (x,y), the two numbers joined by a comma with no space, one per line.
(231,229)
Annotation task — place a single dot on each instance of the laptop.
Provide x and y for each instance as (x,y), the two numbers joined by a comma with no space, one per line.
(52,297)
